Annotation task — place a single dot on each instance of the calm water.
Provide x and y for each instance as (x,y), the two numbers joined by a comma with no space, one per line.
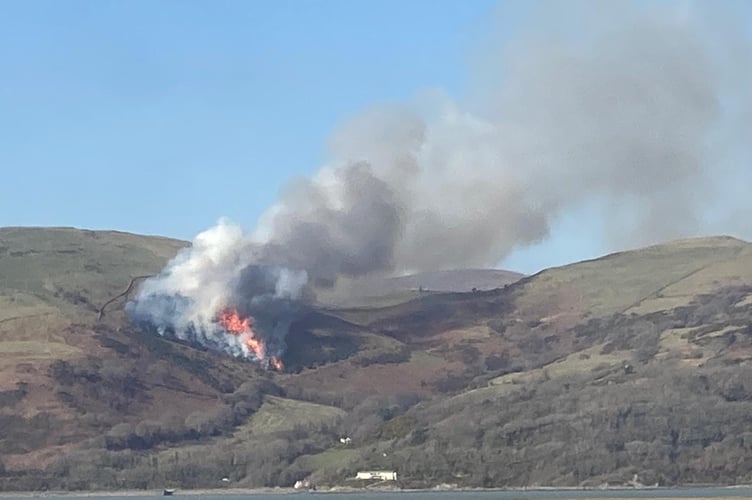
(447,495)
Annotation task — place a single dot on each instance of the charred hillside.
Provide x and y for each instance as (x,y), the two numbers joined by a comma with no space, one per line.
(635,363)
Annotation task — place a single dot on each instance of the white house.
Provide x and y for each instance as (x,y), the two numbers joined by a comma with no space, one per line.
(382,475)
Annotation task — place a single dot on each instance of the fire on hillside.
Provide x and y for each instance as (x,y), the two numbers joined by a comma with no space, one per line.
(246,312)
(240,326)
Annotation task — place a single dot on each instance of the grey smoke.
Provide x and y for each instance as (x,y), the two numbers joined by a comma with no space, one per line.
(633,107)
(637,110)
(353,237)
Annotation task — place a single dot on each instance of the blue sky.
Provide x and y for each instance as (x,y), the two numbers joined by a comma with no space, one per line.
(161,117)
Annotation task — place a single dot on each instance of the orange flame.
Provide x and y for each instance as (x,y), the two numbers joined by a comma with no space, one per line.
(277,363)
(231,321)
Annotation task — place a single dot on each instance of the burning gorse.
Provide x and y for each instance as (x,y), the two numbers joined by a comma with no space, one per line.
(214,294)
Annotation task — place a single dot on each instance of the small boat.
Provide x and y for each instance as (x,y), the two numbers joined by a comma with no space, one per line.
(168,492)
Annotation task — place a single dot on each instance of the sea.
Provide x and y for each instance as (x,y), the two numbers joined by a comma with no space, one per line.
(543,494)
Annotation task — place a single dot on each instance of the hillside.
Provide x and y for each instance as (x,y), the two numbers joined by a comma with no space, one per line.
(67,378)
(634,363)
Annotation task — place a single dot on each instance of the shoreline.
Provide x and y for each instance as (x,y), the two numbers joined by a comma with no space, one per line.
(383,489)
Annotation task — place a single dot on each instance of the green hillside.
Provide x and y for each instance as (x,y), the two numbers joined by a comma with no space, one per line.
(649,279)
(71,269)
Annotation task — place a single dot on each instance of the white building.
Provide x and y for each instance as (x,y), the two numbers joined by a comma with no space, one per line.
(382,475)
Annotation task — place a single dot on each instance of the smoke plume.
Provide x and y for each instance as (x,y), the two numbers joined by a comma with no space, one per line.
(645,112)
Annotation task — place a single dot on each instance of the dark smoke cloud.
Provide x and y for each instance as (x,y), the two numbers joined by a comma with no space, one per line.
(350,232)
(643,111)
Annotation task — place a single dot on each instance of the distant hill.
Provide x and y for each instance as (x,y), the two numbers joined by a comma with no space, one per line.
(390,290)
(636,363)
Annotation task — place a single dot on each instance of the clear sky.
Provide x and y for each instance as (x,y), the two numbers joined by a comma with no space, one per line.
(160,117)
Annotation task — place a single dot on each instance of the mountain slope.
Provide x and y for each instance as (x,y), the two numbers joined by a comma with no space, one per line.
(635,363)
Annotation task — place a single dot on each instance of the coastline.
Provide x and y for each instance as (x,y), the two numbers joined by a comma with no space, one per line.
(630,492)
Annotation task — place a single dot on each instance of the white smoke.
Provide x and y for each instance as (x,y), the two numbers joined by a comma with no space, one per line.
(203,271)
(214,273)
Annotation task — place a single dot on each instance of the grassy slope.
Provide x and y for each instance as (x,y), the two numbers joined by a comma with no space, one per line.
(72,270)
(52,278)
(653,278)
(280,414)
